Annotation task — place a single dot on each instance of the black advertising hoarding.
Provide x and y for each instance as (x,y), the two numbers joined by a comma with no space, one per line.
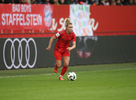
(109,49)
(17,53)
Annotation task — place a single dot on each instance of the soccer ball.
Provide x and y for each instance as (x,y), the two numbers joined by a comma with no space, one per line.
(71,76)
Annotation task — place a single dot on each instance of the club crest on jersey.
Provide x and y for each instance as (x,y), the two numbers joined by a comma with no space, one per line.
(47,15)
(57,34)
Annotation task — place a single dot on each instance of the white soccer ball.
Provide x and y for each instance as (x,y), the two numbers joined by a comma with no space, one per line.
(71,76)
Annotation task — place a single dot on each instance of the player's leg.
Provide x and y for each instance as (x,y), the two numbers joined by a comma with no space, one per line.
(66,60)
(65,66)
(58,56)
(57,65)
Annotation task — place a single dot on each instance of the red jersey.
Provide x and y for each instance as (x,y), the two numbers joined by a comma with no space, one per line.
(64,39)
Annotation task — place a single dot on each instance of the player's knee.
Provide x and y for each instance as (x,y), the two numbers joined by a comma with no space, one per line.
(58,65)
(66,64)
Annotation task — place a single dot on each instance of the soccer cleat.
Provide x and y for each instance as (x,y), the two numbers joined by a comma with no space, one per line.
(56,68)
(61,78)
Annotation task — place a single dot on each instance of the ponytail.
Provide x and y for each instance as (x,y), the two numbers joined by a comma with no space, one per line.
(68,22)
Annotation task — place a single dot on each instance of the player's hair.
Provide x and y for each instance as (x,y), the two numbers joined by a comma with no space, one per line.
(68,22)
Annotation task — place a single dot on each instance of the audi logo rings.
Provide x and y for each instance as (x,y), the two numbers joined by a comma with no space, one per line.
(20,53)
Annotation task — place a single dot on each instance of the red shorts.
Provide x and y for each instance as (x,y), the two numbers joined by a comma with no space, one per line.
(58,54)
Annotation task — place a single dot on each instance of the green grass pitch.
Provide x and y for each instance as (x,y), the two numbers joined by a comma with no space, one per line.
(94,82)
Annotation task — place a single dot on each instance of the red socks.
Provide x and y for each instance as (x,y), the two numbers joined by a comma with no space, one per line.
(64,69)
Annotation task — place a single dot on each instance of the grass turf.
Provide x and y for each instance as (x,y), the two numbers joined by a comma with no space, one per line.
(94,82)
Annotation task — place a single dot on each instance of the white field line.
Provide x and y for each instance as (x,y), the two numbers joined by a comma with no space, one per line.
(55,73)
(109,70)
(25,75)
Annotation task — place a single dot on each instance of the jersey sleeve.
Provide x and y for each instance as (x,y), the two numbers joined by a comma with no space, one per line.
(57,35)
(74,38)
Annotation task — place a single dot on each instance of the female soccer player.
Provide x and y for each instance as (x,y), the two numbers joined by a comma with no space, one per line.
(62,47)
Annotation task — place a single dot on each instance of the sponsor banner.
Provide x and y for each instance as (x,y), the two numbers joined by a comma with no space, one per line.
(80,16)
(20,53)
(102,20)
(25,17)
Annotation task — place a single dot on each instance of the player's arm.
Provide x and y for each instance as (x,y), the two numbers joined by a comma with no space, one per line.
(73,46)
(73,43)
(50,43)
